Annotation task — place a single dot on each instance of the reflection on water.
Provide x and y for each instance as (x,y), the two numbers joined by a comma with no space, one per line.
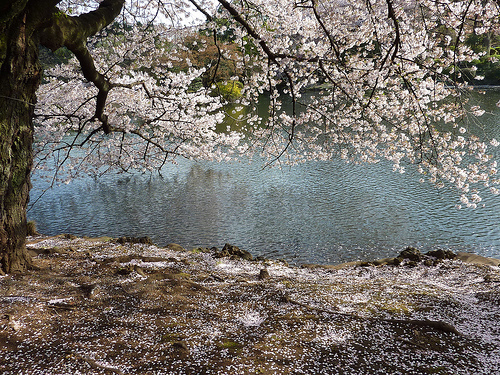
(318,212)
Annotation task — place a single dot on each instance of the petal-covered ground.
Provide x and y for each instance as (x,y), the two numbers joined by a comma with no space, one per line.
(97,306)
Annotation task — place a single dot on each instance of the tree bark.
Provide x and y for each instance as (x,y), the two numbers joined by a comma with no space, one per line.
(24,24)
(19,79)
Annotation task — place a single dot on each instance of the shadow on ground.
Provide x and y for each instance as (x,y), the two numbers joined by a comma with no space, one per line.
(101,306)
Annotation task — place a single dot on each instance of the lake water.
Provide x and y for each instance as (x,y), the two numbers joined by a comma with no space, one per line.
(317,212)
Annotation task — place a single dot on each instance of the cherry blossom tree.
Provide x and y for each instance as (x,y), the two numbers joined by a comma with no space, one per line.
(361,80)
(23,26)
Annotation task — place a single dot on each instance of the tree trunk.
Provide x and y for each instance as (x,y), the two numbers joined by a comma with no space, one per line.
(24,24)
(19,78)
(488,36)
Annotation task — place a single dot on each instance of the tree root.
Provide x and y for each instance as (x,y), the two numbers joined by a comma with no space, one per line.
(96,365)
(437,325)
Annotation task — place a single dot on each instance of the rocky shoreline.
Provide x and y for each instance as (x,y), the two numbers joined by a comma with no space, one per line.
(411,257)
(126,306)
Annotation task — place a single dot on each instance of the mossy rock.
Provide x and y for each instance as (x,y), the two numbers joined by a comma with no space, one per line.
(175,247)
(411,254)
(135,240)
(200,250)
(233,252)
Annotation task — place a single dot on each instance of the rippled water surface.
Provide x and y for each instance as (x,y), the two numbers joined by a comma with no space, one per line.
(318,212)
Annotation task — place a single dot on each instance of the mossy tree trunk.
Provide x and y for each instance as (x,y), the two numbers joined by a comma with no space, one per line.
(24,24)
(19,79)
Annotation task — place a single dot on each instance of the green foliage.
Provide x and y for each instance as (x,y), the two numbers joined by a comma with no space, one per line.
(196,84)
(442,31)
(487,67)
(476,42)
(202,52)
(480,43)
(50,59)
(229,90)
(250,49)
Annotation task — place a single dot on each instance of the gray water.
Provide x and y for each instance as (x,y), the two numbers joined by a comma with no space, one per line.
(317,212)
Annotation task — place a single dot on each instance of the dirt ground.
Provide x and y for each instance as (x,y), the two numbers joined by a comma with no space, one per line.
(101,306)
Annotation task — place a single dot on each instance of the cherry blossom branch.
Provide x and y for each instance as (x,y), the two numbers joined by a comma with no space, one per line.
(200,8)
(379,72)
(250,30)
(325,30)
(397,39)
(273,58)
(72,32)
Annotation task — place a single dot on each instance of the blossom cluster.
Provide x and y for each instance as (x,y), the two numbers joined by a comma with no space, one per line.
(359,80)
(154,112)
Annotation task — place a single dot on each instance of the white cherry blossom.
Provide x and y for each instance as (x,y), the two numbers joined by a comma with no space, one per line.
(355,79)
